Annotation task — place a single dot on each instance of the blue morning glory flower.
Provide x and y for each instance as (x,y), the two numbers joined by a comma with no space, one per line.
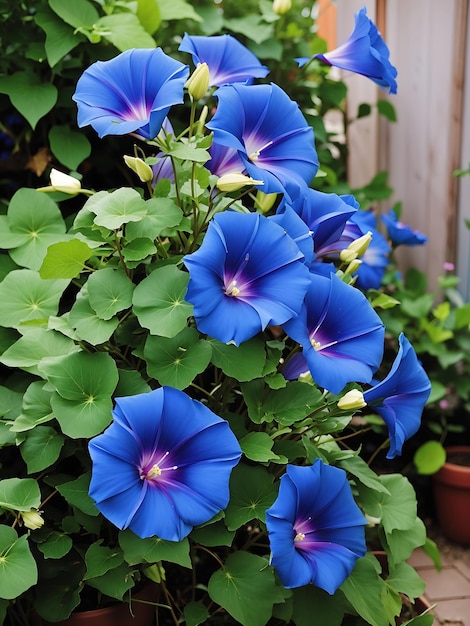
(400,233)
(228,60)
(400,398)
(224,160)
(163,465)
(315,528)
(364,52)
(270,134)
(247,274)
(131,93)
(340,333)
(324,213)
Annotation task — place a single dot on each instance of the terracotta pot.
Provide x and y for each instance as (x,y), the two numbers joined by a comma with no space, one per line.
(452,494)
(117,614)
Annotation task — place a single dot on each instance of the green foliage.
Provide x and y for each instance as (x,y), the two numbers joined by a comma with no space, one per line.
(92,307)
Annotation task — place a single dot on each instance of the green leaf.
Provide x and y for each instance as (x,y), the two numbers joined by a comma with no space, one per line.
(251,493)
(115,582)
(65,259)
(109,291)
(77,13)
(400,544)
(60,39)
(251,26)
(176,361)
(124,31)
(189,152)
(88,325)
(130,383)
(18,570)
(69,146)
(258,447)
(159,302)
(148,12)
(29,96)
(137,249)
(356,466)
(405,579)
(397,510)
(117,208)
(153,550)
(421,620)
(429,457)
(100,559)
(243,362)
(25,296)
(387,110)
(195,613)
(364,589)
(84,384)
(216,534)
(177,10)
(34,345)
(328,609)
(37,220)
(161,213)
(56,545)
(363,110)
(36,407)
(41,448)
(19,494)
(246,588)
(76,494)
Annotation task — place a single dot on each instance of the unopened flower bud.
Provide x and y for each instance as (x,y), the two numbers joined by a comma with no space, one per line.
(265,201)
(373,521)
(235,181)
(198,83)
(62,182)
(353,266)
(281,7)
(140,167)
(32,519)
(352,400)
(347,255)
(359,246)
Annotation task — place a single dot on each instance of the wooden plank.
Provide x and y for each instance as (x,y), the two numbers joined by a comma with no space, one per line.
(420,151)
(326,22)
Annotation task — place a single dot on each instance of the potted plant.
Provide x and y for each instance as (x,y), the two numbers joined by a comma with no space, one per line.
(182,365)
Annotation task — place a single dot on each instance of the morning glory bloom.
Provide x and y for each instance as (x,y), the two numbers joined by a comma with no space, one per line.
(400,233)
(340,333)
(324,213)
(163,465)
(228,60)
(315,528)
(297,229)
(247,274)
(400,398)
(131,93)
(364,52)
(270,133)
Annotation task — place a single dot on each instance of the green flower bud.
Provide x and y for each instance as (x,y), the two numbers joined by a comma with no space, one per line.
(352,400)
(62,182)
(235,181)
(32,519)
(198,82)
(140,167)
(281,7)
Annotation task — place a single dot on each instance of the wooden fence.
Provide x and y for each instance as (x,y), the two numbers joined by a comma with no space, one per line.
(429,41)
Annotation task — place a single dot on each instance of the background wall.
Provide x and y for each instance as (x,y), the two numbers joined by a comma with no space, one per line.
(429,44)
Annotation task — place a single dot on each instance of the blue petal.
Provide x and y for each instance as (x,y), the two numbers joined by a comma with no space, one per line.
(111,99)
(349,332)
(333,563)
(228,60)
(263,120)
(401,396)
